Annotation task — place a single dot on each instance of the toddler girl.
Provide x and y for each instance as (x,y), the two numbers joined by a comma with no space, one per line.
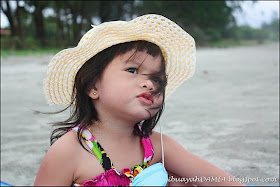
(115,82)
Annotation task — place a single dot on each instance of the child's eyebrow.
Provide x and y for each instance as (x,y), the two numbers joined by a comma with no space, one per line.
(133,62)
(138,64)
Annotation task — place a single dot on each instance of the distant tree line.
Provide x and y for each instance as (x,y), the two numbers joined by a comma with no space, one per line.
(62,23)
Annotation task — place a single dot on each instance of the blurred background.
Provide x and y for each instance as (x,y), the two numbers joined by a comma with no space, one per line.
(228,113)
(59,24)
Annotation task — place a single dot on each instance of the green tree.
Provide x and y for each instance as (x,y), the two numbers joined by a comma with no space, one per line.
(205,20)
(15,19)
(272,29)
(72,18)
(38,18)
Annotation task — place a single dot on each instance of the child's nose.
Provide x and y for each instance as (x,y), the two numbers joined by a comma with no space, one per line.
(148,84)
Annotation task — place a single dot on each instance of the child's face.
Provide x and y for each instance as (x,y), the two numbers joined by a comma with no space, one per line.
(124,89)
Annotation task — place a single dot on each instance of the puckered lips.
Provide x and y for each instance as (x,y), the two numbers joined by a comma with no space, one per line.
(146,98)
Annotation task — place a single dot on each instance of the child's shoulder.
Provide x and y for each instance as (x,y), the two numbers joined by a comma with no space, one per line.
(67,146)
(67,149)
(60,162)
(156,141)
(68,141)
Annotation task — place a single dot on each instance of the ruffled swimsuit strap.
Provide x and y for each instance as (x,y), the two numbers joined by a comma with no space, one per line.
(97,149)
(105,160)
(148,156)
(148,149)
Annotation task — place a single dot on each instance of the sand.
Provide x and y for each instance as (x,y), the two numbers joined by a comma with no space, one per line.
(228,113)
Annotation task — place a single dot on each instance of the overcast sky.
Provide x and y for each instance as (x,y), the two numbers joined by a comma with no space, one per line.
(253,14)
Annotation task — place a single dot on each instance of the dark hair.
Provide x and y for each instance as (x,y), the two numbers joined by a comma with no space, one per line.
(82,109)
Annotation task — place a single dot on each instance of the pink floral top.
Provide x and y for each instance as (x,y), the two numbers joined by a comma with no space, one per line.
(111,177)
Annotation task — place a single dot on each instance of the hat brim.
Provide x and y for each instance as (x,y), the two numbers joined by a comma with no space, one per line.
(177,46)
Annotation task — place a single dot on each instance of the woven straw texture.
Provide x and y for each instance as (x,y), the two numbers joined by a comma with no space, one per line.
(177,46)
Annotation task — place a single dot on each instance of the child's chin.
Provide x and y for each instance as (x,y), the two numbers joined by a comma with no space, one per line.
(149,114)
(145,115)
(142,117)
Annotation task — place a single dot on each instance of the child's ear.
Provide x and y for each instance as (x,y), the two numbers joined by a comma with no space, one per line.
(93,93)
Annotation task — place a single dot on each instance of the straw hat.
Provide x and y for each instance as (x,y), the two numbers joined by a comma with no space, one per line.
(177,46)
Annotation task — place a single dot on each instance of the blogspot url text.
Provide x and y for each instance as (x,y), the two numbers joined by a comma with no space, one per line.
(223,179)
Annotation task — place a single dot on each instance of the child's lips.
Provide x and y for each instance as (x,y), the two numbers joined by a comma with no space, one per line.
(146,98)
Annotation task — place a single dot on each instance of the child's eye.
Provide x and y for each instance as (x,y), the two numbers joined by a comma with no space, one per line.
(132,70)
(157,80)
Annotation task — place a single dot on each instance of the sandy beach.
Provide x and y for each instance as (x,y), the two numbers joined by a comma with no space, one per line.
(228,113)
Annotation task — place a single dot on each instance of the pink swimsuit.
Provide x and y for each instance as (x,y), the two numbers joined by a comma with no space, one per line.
(111,177)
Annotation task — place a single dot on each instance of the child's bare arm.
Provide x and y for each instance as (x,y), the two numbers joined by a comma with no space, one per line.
(58,166)
(187,165)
